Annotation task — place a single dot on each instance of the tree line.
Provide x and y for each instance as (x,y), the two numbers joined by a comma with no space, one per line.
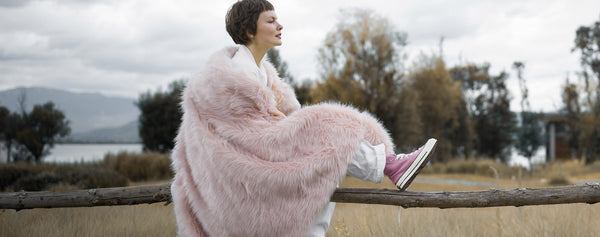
(362,63)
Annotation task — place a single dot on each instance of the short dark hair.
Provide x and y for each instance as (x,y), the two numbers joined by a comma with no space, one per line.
(242,18)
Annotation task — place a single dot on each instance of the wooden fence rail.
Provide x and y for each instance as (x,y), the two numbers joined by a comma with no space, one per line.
(588,193)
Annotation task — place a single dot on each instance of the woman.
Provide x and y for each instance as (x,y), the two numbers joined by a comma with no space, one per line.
(250,162)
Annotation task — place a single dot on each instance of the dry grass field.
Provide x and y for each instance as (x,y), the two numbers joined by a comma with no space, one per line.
(380,220)
(348,220)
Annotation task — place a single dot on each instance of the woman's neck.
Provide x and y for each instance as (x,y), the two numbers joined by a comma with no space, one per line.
(257,52)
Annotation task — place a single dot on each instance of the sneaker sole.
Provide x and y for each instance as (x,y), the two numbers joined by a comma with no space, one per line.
(420,162)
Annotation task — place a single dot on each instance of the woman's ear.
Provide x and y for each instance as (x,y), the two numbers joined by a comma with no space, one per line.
(250,35)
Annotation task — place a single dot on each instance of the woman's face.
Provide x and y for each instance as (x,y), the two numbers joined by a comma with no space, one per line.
(268,30)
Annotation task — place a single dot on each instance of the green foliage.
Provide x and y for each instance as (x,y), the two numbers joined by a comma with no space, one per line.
(302,90)
(494,121)
(139,167)
(583,104)
(280,66)
(488,104)
(529,135)
(4,113)
(34,133)
(160,117)
(11,124)
(5,139)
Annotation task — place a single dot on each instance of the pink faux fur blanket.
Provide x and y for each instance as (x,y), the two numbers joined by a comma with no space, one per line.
(241,172)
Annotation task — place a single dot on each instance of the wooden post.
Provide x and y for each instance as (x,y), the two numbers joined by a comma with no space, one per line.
(588,193)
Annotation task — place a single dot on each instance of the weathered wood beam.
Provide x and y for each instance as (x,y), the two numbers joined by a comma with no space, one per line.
(588,193)
(86,198)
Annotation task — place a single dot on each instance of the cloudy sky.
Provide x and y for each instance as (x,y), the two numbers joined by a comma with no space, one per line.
(126,47)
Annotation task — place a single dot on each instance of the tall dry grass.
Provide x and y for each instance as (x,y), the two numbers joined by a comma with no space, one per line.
(380,220)
(139,220)
(559,220)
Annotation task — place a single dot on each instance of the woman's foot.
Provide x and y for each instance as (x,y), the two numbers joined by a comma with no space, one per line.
(403,168)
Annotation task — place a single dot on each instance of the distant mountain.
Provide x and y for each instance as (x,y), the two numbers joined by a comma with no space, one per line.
(127,133)
(85,111)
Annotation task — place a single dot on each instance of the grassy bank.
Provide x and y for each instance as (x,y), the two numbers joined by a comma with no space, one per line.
(115,170)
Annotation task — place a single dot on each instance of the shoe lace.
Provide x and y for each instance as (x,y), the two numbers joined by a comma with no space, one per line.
(402,156)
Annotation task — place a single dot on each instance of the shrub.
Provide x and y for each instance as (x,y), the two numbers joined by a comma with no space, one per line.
(90,176)
(10,174)
(559,179)
(35,182)
(593,168)
(114,171)
(139,167)
(40,177)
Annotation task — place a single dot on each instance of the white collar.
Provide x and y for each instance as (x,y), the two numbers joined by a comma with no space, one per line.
(244,60)
(248,54)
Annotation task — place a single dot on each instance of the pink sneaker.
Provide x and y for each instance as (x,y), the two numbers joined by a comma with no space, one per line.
(404,167)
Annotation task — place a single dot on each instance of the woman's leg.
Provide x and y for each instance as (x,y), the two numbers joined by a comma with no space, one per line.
(370,163)
(320,226)
(367,162)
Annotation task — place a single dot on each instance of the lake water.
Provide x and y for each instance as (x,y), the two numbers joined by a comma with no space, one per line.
(87,152)
(95,152)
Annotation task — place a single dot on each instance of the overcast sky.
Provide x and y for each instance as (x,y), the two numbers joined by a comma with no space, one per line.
(127,47)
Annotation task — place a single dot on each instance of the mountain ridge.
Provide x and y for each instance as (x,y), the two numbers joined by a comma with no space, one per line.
(88,113)
(127,133)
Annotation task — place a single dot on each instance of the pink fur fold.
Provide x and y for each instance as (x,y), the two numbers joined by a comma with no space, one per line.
(240,172)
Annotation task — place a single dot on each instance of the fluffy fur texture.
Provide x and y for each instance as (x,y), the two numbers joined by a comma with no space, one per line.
(240,172)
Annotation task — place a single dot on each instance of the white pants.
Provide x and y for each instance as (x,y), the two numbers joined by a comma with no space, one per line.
(367,164)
